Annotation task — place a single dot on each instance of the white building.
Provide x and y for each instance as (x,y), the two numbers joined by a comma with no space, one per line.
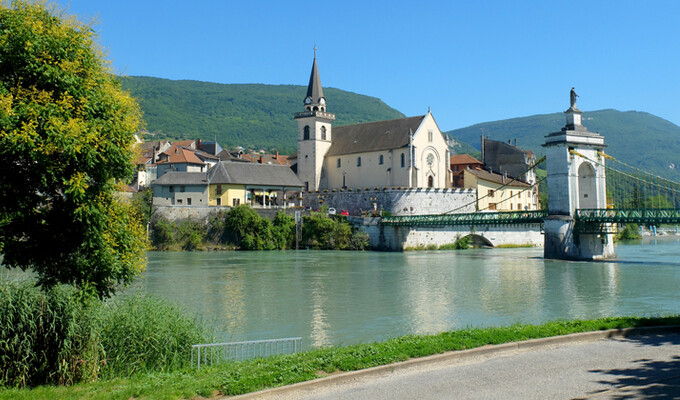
(407,152)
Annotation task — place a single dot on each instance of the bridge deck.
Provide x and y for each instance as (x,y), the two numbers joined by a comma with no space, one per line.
(648,216)
(479,218)
(589,217)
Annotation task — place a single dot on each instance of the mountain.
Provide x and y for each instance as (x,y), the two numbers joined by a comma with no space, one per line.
(636,138)
(253,116)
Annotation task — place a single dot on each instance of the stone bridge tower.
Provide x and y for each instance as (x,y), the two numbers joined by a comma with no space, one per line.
(575,182)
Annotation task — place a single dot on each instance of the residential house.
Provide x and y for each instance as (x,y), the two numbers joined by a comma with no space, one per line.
(180,157)
(505,158)
(181,189)
(260,185)
(496,192)
(459,163)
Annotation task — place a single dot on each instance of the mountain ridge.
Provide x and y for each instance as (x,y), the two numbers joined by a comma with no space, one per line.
(659,152)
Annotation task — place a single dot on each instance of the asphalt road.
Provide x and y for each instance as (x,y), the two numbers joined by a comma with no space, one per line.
(640,367)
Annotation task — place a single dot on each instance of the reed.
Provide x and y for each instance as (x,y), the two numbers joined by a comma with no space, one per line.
(146,334)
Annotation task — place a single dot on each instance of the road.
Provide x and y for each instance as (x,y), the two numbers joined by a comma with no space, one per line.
(638,367)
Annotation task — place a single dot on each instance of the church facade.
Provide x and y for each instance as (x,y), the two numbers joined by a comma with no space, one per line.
(406,152)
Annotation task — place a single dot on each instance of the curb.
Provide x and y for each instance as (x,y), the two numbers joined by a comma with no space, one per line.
(484,352)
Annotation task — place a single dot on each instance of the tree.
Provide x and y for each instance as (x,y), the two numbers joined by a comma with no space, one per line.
(66,136)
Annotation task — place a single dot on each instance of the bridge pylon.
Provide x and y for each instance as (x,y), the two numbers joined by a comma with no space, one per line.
(575,182)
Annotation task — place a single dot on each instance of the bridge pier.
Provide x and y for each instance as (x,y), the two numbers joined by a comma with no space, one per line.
(576,180)
(564,242)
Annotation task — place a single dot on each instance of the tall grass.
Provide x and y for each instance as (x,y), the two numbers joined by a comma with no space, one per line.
(59,337)
(46,337)
(146,333)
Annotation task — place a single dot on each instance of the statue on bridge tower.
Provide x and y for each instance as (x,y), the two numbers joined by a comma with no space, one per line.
(576,180)
(572,99)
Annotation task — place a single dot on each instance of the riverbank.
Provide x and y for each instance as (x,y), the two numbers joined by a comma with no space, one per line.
(253,375)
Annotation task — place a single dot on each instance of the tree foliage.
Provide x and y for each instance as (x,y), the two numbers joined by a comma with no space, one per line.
(66,134)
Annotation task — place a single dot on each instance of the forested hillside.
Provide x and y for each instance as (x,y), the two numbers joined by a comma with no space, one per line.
(638,138)
(252,116)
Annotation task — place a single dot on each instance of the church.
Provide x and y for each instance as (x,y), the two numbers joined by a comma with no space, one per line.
(407,152)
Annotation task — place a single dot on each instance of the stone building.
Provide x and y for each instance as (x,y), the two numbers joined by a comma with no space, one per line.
(407,152)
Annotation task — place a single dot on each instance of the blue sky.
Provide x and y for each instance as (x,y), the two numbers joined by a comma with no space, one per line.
(470,61)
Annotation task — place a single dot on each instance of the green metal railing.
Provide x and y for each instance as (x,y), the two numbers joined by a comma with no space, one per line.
(649,216)
(584,218)
(478,218)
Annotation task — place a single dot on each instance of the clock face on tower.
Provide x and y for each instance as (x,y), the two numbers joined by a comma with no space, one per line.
(322,101)
(308,100)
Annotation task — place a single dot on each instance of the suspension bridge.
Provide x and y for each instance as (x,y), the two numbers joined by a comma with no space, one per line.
(589,192)
(634,197)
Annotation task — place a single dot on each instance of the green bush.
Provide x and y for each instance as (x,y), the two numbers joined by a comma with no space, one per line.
(191,235)
(284,231)
(163,234)
(321,232)
(146,333)
(47,337)
(630,232)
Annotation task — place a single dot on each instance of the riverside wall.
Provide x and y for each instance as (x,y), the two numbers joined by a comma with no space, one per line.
(417,201)
(398,238)
(204,213)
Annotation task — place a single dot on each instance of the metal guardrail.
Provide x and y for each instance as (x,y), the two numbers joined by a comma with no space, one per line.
(650,216)
(478,218)
(209,354)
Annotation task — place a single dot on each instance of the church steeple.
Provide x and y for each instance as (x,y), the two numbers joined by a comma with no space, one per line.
(315,101)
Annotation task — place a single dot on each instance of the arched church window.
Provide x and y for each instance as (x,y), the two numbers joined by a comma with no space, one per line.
(358,161)
(316,108)
(403,160)
(323,133)
(381,160)
(306,137)
(430,181)
(339,163)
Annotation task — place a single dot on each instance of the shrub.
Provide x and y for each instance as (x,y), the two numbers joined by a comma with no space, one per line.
(284,231)
(630,232)
(321,232)
(191,235)
(163,234)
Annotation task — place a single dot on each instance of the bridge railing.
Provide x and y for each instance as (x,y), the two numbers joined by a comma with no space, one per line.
(650,216)
(478,218)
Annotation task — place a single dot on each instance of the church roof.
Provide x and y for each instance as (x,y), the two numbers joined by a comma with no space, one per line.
(226,172)
(314,89)
(373,136)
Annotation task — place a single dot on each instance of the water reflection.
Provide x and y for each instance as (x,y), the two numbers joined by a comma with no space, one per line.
(319,326)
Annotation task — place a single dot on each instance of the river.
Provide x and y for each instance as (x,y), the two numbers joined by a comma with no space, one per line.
(336,298)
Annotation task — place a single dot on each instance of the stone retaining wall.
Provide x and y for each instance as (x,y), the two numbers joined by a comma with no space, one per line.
(203,213)
(397,201)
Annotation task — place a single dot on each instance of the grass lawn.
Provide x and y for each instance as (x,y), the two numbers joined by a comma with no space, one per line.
(248,376)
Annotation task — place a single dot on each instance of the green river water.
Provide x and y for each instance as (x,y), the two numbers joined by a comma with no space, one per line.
(335,298)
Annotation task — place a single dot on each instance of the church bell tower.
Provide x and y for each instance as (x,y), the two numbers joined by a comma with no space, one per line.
(314,133)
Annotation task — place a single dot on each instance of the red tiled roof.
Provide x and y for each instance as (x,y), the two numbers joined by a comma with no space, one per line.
(180,155)
(463,159)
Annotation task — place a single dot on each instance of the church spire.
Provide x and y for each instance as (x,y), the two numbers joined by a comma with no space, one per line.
(315,99)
